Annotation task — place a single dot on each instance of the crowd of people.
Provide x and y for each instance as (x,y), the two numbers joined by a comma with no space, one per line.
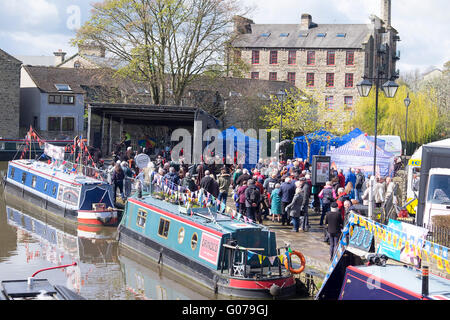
(276,190)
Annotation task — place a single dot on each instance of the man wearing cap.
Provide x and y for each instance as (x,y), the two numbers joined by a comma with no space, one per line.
(335,223)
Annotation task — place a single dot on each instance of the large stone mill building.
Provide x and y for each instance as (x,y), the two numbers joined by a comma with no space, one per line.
(327,58)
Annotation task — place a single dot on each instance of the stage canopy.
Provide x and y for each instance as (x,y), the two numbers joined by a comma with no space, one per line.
(358,153)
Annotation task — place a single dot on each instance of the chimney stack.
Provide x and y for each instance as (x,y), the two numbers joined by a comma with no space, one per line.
(59,57)
(242,25)
(306,21)
(386,12)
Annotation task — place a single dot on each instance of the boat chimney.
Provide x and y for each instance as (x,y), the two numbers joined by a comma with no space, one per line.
(425,273)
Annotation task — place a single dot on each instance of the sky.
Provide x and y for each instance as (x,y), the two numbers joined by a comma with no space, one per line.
(41,27)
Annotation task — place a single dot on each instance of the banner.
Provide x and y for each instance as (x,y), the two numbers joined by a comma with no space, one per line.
(54,152)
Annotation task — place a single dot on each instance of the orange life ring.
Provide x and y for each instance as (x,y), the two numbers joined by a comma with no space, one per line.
(302,260)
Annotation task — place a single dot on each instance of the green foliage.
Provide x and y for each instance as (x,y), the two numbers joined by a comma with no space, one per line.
(422,115)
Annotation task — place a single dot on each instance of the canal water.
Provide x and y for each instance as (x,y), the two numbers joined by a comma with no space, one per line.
(31,239)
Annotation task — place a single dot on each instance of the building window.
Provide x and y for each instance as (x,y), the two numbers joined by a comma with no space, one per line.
(68,99)
(77,64)
(68,124)
(329,80)
(163,229)
(348,103)
(141,218)
(349,80)
(292,57)
(310,58)
(331,58)
(54,99)
(255,75)
(310,79)
(350,58)
(291,77)
(54,124)
(63,87)
(273,76)
(273,57)
(237,56)
(329,102)
(255,56)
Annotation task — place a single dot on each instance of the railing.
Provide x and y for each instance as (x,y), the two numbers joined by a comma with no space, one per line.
(439,235)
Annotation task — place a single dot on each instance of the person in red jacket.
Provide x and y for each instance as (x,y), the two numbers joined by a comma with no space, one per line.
(341,178)
(342,196)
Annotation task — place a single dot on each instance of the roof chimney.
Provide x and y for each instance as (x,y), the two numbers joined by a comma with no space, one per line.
(92,49)
(242,25)
(306,21)
(59,57)
(386,12)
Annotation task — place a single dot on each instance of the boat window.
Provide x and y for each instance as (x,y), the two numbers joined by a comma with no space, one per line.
(33,182)
(141,218)
(194,241)
(45,186)
(11,173)
(439,189)
(163,230)
(24,177)
(54,190)
(181,235)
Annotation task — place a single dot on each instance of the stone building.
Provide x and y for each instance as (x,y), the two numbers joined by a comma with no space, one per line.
(329,59)
(9,95)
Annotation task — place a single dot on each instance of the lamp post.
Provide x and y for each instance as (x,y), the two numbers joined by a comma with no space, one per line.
(389,88)
(407,101)
(280,95)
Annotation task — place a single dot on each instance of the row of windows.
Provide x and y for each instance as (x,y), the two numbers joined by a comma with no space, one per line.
(61,99)
(33,180)
(163,229)
(330,102)
(310,57)
(310,78)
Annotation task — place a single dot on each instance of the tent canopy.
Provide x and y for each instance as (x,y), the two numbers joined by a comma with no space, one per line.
(322,140)
(235,140)
(359,153)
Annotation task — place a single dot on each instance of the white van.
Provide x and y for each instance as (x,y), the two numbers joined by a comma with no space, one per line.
(393,144)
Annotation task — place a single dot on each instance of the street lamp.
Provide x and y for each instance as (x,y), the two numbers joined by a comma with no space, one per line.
(389,88)
(280,96)
(407,101)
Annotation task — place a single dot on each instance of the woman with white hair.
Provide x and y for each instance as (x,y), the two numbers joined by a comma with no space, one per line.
(295,209)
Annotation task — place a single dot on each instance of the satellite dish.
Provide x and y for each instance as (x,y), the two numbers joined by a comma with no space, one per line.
(142,160)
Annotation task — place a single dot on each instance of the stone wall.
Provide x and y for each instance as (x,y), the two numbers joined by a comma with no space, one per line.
(9,96)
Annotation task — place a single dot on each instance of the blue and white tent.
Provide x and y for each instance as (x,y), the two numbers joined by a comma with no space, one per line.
(359,153)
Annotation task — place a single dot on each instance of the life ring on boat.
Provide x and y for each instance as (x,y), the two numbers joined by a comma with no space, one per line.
(302,260)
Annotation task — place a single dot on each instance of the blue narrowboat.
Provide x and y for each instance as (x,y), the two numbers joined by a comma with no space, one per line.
(229,256)
(79,198)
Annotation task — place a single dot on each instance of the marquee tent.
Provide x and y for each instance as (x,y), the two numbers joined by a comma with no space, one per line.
(358,153)
(322,141)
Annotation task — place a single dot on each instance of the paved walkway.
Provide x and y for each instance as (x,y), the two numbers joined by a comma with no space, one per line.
(310,243)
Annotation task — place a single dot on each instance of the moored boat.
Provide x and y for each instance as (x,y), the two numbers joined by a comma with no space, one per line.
(227,255)
(72,190)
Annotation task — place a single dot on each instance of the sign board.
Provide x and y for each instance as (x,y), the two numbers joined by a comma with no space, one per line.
(320,170)
(142,160)
(361,238)
(209,248)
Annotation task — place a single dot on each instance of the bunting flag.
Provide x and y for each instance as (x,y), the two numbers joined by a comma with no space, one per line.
(281,257)
(272,259)
(261,258)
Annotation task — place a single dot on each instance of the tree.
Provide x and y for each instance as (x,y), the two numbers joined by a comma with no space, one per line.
(302,114)
(164,43)
(422,115)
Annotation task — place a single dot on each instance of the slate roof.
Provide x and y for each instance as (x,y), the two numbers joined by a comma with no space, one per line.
(355,36)
(101,62)
(9,57)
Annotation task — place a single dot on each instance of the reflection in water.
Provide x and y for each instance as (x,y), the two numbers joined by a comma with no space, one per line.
(32,239)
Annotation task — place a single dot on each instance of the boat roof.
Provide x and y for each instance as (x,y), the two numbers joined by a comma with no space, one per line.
(54,171)
(204,216)
(409,278)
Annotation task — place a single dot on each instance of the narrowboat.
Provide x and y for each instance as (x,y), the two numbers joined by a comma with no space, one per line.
(11,148)
(375,261)
(229,256)
(35,289)
(76,197)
